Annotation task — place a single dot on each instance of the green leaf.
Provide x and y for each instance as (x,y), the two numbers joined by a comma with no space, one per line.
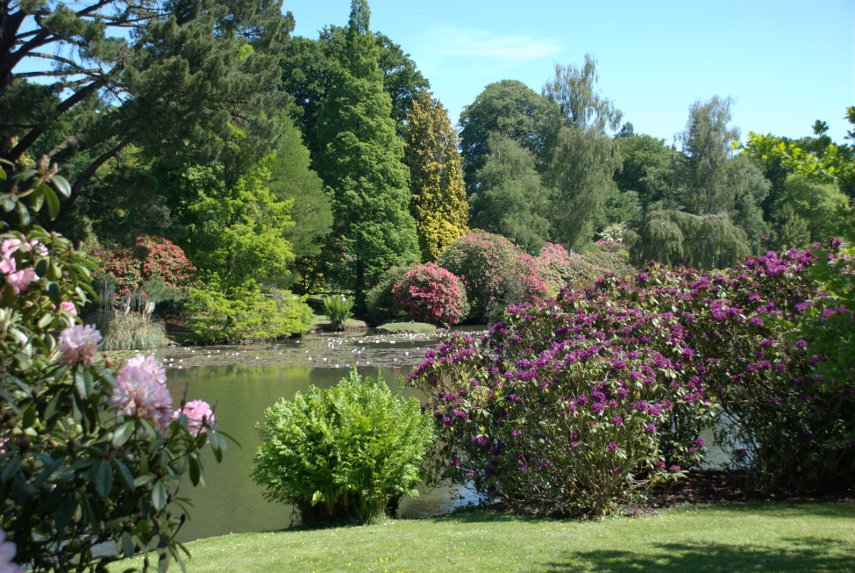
(23,214)
(159,496)
(10,469)
(103,478)
(125,474)
(52,203)
(195,470)
(66,510)
(123,434)
(55,294)
(143,479)
(61,184)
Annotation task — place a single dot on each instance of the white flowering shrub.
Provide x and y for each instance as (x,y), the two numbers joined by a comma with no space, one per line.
(88,453)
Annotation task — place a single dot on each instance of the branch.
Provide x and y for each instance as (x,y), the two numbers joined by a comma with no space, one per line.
(39,129)
(87,173)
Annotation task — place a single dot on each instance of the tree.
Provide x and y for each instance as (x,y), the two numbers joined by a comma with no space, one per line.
(511,199)
(309,68)
(645,166)
(584,158)
(806,203)
(167,77)
(707,147)
(360,161)
(438,202)
(508,108)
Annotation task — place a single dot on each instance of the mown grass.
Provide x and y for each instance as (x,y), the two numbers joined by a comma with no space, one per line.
(758,537)
(406,327)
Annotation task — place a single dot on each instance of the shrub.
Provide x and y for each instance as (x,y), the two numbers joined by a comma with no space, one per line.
(337,308)
(378,300)
(569,407)
(87,455)
(155,260)
(343,453)
(535,413)
(429,293)
(492,269)
(245,313)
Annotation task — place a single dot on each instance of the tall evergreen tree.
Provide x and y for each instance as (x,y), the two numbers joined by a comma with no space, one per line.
(360,160)
(438,202)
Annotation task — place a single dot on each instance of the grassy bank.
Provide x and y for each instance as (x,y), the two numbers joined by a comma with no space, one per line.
(738,537)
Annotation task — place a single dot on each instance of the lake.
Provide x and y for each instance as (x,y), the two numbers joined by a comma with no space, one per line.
(241,382)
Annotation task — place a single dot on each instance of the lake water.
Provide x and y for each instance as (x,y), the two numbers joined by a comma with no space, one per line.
(231,502)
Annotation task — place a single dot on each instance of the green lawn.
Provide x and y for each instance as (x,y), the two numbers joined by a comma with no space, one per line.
(761,537)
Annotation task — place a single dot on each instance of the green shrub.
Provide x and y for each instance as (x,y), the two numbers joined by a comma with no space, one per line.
(245,313)
(344,453)
(379,302)
(132,331)
(338,310)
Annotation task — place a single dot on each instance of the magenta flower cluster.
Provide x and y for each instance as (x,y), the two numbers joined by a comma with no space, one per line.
(571,404)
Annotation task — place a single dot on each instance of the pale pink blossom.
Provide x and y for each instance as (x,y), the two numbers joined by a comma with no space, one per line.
(199,415)
(7,553)
(151,365)
(78,344)
(18,279)
(139,394)
(69,307)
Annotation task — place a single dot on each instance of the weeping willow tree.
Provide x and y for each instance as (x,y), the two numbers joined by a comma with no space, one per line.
(675,237)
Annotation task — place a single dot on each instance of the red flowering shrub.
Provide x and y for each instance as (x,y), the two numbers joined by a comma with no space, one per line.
(429,293)
(152,258)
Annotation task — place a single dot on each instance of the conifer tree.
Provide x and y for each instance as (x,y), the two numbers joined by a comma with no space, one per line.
(438,202)
(360,161)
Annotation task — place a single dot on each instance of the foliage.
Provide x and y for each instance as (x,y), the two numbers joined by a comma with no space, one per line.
(570,406)
(493,272)
(27,191)
(360,162)
(679,238)
(646,163)
(342,453)
(167,77)
(821,207)
(438,198)
(380,306)
(428,293)
(153,258)
(557,268)
(510,199)
(511,109)
(133,331)
(237,233)
(246,313)
(338,309)
(88,455)
(310,67)
(584,159)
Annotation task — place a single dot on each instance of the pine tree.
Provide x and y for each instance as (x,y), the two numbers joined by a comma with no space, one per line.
(360,161)
(438,202)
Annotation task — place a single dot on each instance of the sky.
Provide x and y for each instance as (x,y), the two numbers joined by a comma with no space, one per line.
(785,63)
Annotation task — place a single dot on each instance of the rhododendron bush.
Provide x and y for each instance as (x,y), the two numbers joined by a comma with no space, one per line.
(429,293)
(572,406)
(152,259)
(87,453)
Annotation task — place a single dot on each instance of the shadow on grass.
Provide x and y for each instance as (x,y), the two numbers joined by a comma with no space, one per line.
(803,554)
(788,509)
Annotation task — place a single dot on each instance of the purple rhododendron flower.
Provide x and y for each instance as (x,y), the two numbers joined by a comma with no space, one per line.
(7,553)
(151,365)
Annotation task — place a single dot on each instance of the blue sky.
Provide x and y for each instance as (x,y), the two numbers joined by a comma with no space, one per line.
(785,63)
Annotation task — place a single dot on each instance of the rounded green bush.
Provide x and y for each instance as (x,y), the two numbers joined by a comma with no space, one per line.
(344,453)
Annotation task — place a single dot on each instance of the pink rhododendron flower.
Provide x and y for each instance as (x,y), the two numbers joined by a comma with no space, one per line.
(139,394)
(7,553)
(68,306)
(78,344)
(151,365)
(199,415)
(18,279)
